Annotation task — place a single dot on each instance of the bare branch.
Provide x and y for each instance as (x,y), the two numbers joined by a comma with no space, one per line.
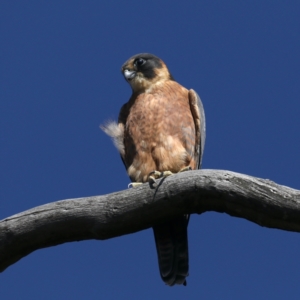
(102,217)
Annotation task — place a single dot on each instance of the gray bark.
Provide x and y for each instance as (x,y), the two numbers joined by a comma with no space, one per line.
(102,217)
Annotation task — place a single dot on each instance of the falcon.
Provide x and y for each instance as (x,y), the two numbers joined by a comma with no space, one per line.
(160,131)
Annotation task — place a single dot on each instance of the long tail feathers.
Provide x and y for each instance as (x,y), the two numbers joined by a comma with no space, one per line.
(172,250)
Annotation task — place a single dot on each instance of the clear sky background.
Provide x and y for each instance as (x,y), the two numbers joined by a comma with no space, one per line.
(60,79)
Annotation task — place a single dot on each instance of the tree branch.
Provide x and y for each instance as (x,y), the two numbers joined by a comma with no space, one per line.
(102,217)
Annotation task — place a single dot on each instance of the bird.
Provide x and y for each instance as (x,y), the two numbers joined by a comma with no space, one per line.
(160,131)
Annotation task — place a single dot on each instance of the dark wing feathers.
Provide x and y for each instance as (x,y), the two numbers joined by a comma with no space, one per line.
(200,126)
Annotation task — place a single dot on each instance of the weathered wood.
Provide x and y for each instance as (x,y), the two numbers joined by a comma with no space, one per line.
(102,217)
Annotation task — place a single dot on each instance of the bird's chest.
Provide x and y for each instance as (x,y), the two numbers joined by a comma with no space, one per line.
(151,122)
(153,136)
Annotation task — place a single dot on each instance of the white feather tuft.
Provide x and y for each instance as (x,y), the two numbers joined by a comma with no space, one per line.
(116,132)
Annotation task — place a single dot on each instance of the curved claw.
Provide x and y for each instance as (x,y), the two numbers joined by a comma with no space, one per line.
(134,184)
(188,168)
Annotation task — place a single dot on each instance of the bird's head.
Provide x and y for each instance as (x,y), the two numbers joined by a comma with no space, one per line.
(143,71)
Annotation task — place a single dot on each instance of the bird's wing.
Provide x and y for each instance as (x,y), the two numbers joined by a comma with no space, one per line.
(200,126)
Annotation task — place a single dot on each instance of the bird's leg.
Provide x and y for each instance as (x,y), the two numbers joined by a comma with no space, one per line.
(152,176)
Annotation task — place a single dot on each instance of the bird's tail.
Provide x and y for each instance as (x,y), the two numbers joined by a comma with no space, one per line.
(172,250)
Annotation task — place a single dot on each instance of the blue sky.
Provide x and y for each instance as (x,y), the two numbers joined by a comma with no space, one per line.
(60,79)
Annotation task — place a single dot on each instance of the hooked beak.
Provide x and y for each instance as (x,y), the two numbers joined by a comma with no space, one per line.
(129,74)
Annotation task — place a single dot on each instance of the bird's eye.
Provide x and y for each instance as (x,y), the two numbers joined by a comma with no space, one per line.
(139,62)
